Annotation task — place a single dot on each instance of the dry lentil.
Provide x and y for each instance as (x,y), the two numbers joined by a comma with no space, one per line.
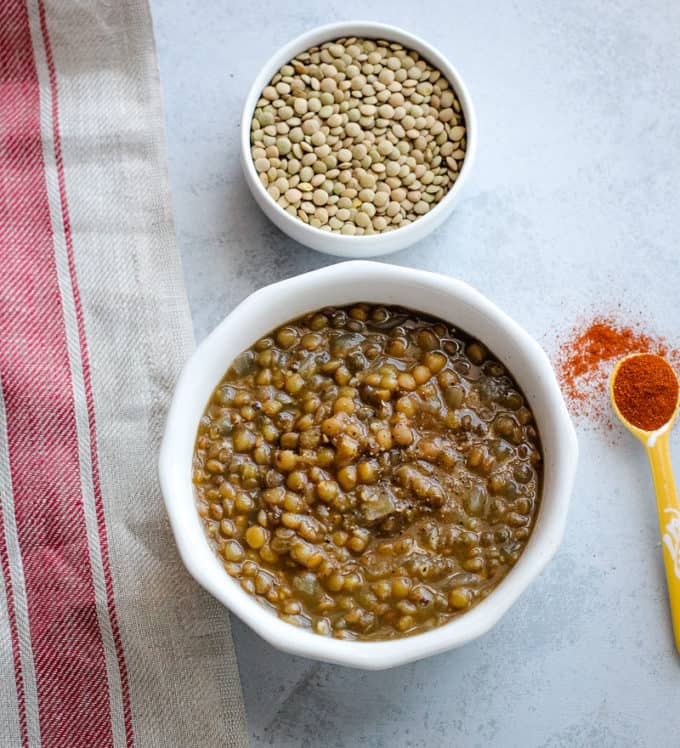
(359,124)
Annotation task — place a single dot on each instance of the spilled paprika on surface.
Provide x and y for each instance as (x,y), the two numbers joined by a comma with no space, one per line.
(646,391)
(586,356)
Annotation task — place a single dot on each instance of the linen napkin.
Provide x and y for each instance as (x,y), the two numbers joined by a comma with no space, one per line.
(104,638)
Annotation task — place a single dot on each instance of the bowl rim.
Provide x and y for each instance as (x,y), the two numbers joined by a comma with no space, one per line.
(365,654)
(345,245)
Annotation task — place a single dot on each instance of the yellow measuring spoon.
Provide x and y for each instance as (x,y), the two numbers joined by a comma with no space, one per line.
(645,396)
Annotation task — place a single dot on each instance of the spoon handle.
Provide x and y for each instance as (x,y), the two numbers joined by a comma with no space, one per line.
(669,522)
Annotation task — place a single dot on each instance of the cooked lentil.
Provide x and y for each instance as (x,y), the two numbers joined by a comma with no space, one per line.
(368,472)
(358,136)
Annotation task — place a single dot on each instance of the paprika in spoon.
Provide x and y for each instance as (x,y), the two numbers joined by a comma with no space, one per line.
(645,395)
(646,391)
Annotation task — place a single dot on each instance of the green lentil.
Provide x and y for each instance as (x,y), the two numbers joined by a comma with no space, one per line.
(356,118)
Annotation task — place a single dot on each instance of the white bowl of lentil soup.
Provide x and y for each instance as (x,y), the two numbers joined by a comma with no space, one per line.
(383,470)
(357,139)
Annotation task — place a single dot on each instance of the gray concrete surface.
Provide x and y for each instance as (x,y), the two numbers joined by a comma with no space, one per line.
(572,208)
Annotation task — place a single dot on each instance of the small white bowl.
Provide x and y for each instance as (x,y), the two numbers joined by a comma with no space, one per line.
(332,243)
(440,296)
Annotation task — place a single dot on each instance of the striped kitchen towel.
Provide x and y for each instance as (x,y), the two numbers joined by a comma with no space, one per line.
(104,639)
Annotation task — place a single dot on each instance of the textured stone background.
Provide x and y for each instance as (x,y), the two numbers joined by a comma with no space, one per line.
(572,208)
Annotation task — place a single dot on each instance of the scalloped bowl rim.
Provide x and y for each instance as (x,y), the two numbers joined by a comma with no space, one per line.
(345,283)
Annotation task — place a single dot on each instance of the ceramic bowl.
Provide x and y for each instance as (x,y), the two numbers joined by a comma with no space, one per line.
(339,244)
(437,295)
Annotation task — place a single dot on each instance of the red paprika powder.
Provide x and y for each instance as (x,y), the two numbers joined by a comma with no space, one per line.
(586,356)
(646,391)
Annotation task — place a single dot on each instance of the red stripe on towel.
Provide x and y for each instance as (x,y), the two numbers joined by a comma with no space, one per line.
(68,652)
(85,357)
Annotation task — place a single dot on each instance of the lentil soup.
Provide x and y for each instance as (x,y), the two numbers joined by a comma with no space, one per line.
(368,472)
